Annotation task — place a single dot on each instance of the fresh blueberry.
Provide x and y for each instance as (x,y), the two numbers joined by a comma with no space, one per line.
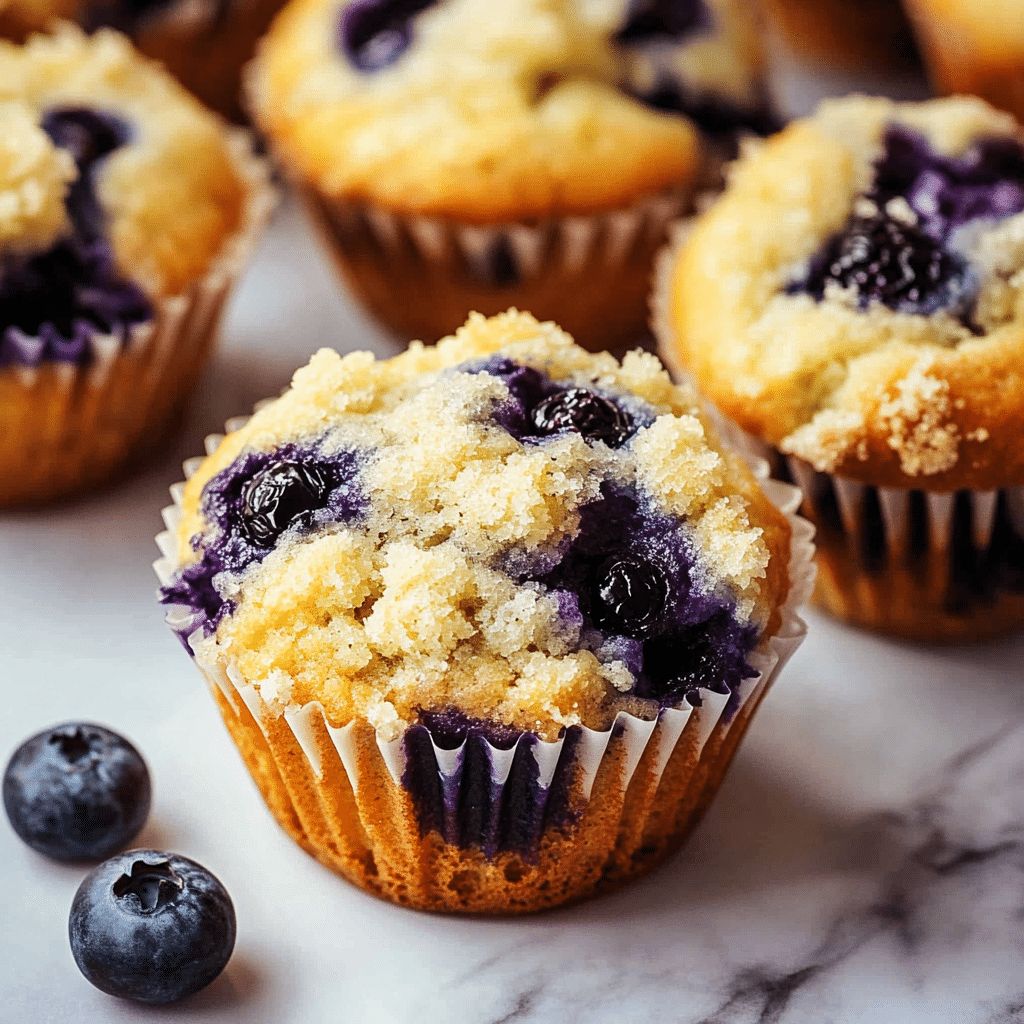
(279,495)
(151,926)
(662,19)
(630,595)
(375,33)
(893,262)
(583,412)
(77,792)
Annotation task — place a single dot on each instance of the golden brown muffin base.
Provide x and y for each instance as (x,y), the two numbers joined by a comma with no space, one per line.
(600,300)
(870,576)
(857,34)
(372,837)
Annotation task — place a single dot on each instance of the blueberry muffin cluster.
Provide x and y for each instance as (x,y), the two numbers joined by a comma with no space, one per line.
(568,546)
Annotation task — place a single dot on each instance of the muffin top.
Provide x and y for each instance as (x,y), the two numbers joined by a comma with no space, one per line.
(504,528)
(856,298)
(506,110)
(116,188)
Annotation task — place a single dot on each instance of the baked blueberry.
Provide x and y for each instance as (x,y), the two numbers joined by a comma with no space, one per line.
(893,262)
(278,496)
(77,792)
(581,411)
(630,595)
(375,33)
(151,926)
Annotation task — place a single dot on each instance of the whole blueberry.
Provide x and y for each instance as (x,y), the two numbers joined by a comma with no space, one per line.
(375,33)
(77,792)
(279,495)
(630,595)
(583,412)
(151,926)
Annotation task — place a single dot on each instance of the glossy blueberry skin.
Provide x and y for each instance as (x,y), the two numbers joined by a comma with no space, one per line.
(151,926)
(77,792)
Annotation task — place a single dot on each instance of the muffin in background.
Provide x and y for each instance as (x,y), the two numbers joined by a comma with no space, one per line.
(861,313)
(127,211)
(486,620)
(203,43)
(973,46)
(462,156)
(855,35)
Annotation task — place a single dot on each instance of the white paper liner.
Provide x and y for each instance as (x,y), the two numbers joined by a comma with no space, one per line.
(561,244)
(633,734)
(161,356)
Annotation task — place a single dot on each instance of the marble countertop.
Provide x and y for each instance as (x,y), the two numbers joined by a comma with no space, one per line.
(864,859)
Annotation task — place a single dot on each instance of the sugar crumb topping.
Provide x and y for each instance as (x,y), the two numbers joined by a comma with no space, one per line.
(34,178)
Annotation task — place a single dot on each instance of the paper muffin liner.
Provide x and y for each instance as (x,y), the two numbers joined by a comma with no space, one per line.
(487,825)
(926,565)
(421,275)
(69,427)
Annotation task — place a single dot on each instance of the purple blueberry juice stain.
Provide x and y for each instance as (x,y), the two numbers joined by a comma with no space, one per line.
(373,34)
(632,570)
(471,809)
(913,264)
(655,24)
(55,302)
(249,506)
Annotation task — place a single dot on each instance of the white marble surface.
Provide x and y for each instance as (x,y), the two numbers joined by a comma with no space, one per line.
(864,860)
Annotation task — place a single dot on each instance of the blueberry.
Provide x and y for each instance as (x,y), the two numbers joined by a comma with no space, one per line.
(375,33)
(630,594)
(151,926)
(85,133)
(583,412)
(278,496)
(77,792)
(893,262)
(664,19)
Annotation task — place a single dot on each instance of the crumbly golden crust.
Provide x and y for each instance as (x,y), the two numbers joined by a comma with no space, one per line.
(172,195)
(898,399)
(34,178)
(411,608)
(500,112)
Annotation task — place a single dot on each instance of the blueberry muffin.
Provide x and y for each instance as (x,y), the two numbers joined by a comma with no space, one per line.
(487,619)
(126,210)
(861,287)
(461,156)
(203,43)
(973,46)
(857,35)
